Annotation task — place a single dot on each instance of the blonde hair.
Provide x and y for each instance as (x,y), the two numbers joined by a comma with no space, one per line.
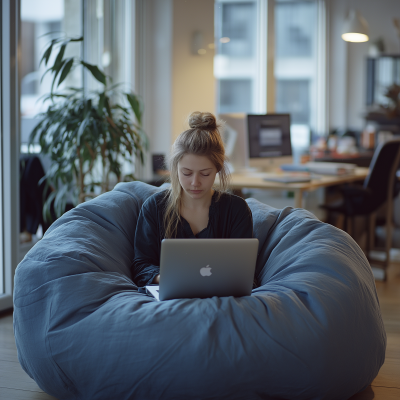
(203,139)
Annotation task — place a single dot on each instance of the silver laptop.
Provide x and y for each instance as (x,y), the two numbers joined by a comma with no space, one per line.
(200,268)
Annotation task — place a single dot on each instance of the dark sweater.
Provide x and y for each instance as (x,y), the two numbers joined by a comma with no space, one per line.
(229,217)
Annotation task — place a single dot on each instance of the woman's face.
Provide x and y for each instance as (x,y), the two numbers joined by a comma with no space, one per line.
(196,175)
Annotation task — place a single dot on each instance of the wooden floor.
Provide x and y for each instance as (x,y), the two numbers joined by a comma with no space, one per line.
(15,384)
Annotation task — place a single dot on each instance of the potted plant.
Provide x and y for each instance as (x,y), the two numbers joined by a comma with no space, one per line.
(87,136)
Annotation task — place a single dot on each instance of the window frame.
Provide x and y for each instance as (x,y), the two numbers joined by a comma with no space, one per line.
(265,97)
(9,147)
(322,117)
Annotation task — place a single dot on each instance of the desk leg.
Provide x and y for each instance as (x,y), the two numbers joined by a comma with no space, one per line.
(298,198)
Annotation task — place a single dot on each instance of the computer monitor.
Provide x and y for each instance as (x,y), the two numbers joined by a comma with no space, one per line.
(269,141)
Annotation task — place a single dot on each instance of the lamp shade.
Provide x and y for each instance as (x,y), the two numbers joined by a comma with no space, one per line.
(355,28)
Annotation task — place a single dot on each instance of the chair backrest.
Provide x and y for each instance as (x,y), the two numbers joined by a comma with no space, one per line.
(381,178)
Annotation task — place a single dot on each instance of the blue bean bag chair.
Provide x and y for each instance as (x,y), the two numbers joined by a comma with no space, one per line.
(312,330)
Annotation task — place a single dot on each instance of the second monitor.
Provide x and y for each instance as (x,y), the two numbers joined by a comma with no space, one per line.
(269,141)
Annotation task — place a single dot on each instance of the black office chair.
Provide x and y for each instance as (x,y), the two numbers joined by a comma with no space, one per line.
(380,186)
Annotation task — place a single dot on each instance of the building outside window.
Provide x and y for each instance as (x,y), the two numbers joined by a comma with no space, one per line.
(236,64)
(106,29)
(41,22)
(298,51)
(299,67)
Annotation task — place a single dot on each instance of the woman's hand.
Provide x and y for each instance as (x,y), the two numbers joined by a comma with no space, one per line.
(156,279)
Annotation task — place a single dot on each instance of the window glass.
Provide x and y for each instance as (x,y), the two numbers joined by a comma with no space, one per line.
(107,31)
(295,29)
(296,67)
(108,40)
(294,95)
(235,95)
(107,45)
(42,21)
(237,27)
(236,66)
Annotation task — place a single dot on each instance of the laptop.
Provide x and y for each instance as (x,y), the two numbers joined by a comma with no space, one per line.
(201,268)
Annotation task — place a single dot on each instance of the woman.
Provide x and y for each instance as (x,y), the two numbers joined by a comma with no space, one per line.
(190,208)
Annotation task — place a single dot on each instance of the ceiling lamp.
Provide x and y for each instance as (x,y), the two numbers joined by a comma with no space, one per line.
(355,28)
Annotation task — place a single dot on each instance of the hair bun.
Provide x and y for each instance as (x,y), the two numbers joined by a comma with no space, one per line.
(202,120)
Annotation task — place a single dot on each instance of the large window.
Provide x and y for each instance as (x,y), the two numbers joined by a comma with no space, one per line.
(107,32)
(41,21)
(299,67)
(270,55)
(27,27)
(238,65)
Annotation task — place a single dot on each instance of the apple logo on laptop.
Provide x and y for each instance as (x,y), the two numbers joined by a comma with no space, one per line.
(205,271)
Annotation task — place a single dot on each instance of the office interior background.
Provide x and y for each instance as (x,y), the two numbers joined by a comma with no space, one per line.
(223,56)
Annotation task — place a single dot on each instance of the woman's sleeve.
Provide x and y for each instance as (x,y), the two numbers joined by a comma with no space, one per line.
(242,221)
(146,263)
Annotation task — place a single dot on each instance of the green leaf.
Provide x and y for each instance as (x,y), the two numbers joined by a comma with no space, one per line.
(34,132)
(47,207)
(135,105)
(115,86)
(57,64)
(78,39)
(82,128)
(108,107)
(60,201)
(42,179)
(88,106)
(100,123)
(97,74)
(100,107)
(47,54)
(123,109)
(56,74)
(47,71)
(74,89)
(66,70)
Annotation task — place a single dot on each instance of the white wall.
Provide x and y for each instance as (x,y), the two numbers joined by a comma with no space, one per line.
(161,85)
(172,81)
(347,65)
(153,74)
(192,75)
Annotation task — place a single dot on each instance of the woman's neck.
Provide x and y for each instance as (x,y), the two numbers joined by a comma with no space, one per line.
(193,204)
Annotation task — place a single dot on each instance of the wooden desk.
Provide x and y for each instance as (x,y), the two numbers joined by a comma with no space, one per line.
(255,180)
